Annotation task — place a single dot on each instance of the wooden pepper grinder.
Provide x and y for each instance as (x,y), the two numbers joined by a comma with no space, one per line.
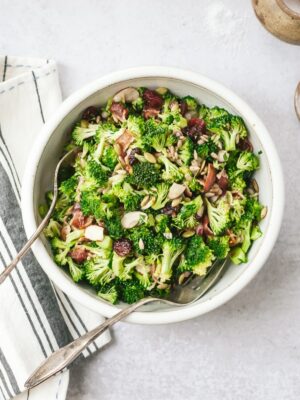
(282,21)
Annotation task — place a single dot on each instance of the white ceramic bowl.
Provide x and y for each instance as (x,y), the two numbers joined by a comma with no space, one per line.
(48,149)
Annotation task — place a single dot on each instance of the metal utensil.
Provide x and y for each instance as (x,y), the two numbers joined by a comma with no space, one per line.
(66,159)
(179,296)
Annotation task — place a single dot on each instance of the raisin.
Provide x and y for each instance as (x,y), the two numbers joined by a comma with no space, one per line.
(152,99)
(169,210)
(123,247)
(196,127)
(90,114)
(132,159)
(79,255)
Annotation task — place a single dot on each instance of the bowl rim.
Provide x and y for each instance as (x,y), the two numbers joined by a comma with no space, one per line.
(186,312)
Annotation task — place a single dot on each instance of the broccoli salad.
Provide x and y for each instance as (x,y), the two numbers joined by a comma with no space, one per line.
(161,187)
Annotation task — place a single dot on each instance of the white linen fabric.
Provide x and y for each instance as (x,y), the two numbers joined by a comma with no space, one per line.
(35,318)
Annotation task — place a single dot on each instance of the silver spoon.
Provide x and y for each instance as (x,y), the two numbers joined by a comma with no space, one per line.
(179,296)
(66,159)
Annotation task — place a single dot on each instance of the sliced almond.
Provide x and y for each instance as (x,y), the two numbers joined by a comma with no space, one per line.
(150,158)
(127,95)
(94,232)
(147,202)
(132,219)
(141,244)
(161,90)
(176,202)
(176,190)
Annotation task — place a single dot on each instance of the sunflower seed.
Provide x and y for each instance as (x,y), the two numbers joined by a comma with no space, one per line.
(255,185)
(168,235)
(188,233)
(264,212)
(176,190)
(141,244)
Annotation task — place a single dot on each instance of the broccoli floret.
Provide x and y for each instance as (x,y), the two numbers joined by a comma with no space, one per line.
(98,271)
(253,209)
(136,125)
(186,151)
(60,250)
(155,135)
(197,256)
(43,209)
(238,127)
(237,183)
(204,112)
(191,103)
(117,264)
(76,271)
(90,203)
(162,190)
(130,198)
(52,229)
(171,251)
(162,222)
(151,241)
(256,232)
(114,226)
(194,185)
(219,246)
(247,161)
(186,218)
(109,157)
(217,112)
(171,172)
(80,134)
(97,172)
(218,214)
(238,256)
(237,209)
(204,150)
(144,175)
(138,104)
(68,187)
(131,291)
(105,134)
(109,293)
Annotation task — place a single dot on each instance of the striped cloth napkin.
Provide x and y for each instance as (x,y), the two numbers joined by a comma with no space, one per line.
(35,318)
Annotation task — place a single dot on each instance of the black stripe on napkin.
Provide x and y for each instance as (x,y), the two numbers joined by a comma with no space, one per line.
(4,69)
(10,164)
(38,95)
(9,372)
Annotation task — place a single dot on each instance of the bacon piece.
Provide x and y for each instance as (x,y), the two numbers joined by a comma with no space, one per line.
(245,145)
(210,178)
(125,140)
(223,180)
(199,230)
(78,254)
(183,107)
(150,112)
(119,112)
(79,221)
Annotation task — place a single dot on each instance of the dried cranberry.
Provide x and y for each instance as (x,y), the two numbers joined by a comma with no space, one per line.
(131,158)
(119,112)
(90,114)
(123,247)
(169,210)
(183,107)
(152,99)
(79,255)
(245,145)
(196,127)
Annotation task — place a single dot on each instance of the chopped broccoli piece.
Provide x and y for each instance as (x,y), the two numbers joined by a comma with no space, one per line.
(186,151)
(109,293)
(256,232)
(186,218)
(238,256)
(198,257)
(191,103)
(151,241)
(76,271)
(109,157)
(144,175)
(162,190)
(52,229)
(171,251)
(98,271)
(204,150)
(155,135)
(131,291)
(171,172)
(219,246)
(218,214)
(80,134)
(247,161)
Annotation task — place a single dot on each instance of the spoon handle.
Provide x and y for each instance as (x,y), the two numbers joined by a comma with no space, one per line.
(63,357)
(4,274)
